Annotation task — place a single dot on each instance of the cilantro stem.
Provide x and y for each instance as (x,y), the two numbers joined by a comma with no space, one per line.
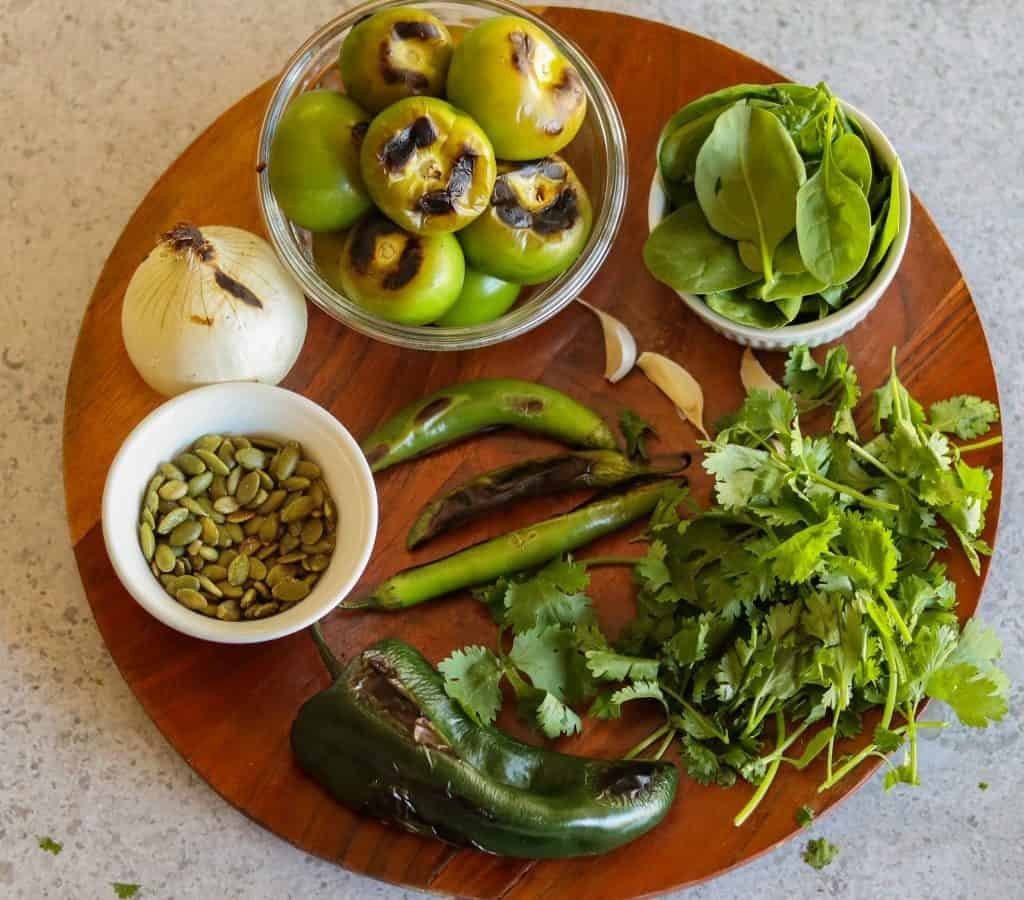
(769,776)
(981,445)
(847,767)
(664,745)
(792,739)
(863,499)
(911,715)
(611,561)
(878,464)
(698,716)
(647,741)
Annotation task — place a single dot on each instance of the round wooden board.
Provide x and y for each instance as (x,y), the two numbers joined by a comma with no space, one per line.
(236,737)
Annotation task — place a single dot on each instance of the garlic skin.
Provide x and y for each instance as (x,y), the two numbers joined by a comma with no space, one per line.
(209,305)
(678,385)
(754,376)
(619,344)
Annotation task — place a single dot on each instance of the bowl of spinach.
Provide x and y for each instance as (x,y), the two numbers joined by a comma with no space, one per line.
(778,213)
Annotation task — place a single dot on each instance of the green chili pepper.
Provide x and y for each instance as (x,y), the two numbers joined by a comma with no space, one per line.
(516,551)
(385,739)
(462,410)
(533,478)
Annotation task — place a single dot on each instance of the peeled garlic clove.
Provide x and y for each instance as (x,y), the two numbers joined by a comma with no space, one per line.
(678,385)
(619,345)
(754,376)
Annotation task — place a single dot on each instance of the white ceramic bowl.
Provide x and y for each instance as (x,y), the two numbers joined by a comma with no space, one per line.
(240,408)
(838,323)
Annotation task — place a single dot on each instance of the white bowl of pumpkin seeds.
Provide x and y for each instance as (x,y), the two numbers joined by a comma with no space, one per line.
(339,495)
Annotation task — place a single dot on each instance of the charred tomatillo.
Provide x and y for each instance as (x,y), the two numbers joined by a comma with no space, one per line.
(536,225)
(509,75)
(314,161)
(394,54)
(428,166)
(483,299)
(406,278)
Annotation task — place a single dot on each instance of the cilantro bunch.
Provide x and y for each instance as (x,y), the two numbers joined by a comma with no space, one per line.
(807,595)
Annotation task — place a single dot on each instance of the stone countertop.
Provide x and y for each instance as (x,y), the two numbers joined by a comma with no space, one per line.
(97,99)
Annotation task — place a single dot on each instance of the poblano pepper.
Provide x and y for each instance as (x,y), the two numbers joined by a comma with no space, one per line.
(385,739)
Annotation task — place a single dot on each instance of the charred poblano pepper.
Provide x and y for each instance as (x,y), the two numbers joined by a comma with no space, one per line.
(533,478)
(385,739)
(517,551)
(462,410)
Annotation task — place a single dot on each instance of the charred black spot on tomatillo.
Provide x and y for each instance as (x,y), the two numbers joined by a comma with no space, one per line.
(558,216)
(409,264)
(236,289)
(522,50)
(435,407)
(416,31)
(363,248)
(359,132)
(442,202)
(399,149)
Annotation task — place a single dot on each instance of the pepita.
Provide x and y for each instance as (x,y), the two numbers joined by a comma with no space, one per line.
(261,589)
(295,483)
(268,530)
(225,504)
(189,463)
(247,488)
(185,533)
(149,518)
(208,442)
(213,461)
(248,598)
(272,503)
(192,599)
(318,563)
(184,581)
(210,534)
(229,611)
(249,546)
(238,571)
(266,481)
(288,543)
(284,465)
(230,590)
(218,488)
(199,483)
(169,470)
(291,590)
(148,541)
(231,482)
(216,572)
(250,458)
(265,443)
(312,531)
(307,469)
(240,442)
(235,531)
(193,506)
(257,569)
(260,498)
(207,585)
(299,508)
(173,489)
(291,558)
(194,548)
(240,516)
(267,551)
(172,520)
(278,573)
(152,501)
(226,452)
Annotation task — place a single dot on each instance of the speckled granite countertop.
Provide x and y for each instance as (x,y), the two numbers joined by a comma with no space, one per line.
(97,99)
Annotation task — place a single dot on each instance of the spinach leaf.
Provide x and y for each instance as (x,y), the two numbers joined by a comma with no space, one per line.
(833,220)
(891,223)
(750,255)
(686,254)
(787,259)
(756,313)
(854,161)
(799,285)
(747,179)
(679,152)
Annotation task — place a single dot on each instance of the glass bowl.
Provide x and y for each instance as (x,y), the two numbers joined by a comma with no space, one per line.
(598,154)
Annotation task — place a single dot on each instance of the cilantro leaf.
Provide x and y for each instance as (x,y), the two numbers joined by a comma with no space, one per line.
(965,416)
(703,764)
(887,741)
(124,890)
(977,697)
(50,845)
(635,429)
(819,853)
(609,666)
(550,657)
(742,474)
(983,785)
(805,816)
(552,596)
(831,383)
(472,677)
(555,718)
(797,558)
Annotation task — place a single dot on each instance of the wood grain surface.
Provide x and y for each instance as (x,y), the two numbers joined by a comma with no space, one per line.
(236,737)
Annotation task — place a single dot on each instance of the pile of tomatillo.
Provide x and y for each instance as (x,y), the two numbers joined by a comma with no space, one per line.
(432,186)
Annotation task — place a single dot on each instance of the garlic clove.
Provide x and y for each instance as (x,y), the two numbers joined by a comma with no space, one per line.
(754,376)
(619,344)
(678,385)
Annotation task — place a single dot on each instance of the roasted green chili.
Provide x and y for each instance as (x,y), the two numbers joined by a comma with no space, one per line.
(462,410)
(533,478)
(385,739)
(516,551)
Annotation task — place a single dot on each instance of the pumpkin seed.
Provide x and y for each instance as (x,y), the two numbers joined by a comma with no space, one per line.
(261,589)
(149,518)
(229,611)
(250,458)
(213,461)
(257,569)
(192,599)
(227,557)
(235,531)
(225,505)
(217,488)
(172,520)
(193,506)
(154,569)
(312,531)
(226,452)
(299,508)
(152,501)
(291,590)
(239,516)
(278,573)
(268,530)
(260,498)
(247,598)
(267,551)
(155,482)
(285,463)
(261,610)
(318,563)
(288,543)
(241,442)
(231,483)
(291,558)
(210,533)
(199,483)
(148,541)
(189,463)
(165,506)
(180,568)
(316,494)
(184,581)
(230,590)
(216,572)
(208,442)
(196,545)
(247,488)
(249,546)
(185,533)
(307,469)
(266,443)
(295,483)
(272,503)
(328,510)
(266,481)
(252,527)
(207,585)
(173,489)
(169,470)
(238,571)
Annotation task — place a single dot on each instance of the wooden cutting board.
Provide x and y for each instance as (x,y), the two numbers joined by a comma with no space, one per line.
(228,709)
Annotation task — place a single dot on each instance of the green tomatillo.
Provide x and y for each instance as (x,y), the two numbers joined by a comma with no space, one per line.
(314,161)
(406,278)
(396,53)
(429,167)
(512,78)
(483,299)
(536,226)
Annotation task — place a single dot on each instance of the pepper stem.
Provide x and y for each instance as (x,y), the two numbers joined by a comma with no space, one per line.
(329,659)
